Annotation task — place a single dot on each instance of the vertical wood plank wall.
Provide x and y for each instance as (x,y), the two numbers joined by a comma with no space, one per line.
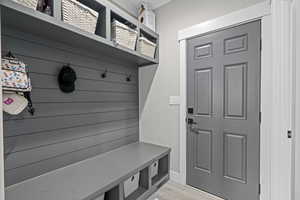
(101,115)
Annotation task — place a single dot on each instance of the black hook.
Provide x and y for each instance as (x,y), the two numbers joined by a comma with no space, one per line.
(128,79)
(10,55)
(104,74)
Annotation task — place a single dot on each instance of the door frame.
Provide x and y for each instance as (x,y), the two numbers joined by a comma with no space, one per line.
(296,70)
(275,146)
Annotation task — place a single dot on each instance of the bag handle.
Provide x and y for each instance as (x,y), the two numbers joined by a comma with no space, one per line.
(30,107)
(13,62)
(11,55)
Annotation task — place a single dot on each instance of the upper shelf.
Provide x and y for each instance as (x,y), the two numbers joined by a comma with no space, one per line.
(28,20)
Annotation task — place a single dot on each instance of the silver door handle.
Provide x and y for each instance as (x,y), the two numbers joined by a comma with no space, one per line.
(196,130)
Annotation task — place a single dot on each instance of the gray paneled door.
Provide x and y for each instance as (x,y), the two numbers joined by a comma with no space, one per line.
(223,112)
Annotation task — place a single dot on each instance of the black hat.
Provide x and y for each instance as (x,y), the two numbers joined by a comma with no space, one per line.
(66,79)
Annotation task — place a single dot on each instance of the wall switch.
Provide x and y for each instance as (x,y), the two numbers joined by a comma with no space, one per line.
(174,100)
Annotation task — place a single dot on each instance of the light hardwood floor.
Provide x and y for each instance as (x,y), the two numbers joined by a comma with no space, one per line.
(174,191)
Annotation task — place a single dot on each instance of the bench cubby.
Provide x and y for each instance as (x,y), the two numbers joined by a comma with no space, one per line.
(112,194)
(163,169)
(143,185)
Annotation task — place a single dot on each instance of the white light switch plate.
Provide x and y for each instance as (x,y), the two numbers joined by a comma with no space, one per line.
(174,100)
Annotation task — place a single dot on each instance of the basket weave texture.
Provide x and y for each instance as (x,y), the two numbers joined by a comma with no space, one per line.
(147,47)
(28,3)
(124,35)
(79,15)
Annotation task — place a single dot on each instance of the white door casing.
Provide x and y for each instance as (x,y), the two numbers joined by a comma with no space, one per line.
(296,90)
(281,146)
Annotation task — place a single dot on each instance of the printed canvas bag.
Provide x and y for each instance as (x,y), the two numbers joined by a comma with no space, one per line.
(15,78)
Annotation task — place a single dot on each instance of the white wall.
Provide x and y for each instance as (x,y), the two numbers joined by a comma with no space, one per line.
(130,6)
(159,122)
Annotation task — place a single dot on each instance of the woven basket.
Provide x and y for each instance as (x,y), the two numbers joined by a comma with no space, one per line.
(79,15)
(28,3)
(124,35)
(147,47)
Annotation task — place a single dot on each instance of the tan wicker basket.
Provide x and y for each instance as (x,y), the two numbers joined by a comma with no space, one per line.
(28,3)
(124,35)
(147,47)
(79,15)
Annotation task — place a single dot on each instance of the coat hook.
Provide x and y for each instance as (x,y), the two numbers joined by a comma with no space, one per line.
(9,54)
(128,79)
(104,74)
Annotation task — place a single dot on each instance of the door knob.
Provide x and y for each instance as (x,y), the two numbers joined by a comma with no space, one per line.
(195,130)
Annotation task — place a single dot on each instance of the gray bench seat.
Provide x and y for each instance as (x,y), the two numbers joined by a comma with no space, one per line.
(83,179)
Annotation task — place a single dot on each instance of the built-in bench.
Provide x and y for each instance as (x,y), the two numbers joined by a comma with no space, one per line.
(103,174)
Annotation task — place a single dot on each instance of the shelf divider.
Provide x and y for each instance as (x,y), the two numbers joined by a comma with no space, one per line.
(121,191)
(57,9)
(108,23)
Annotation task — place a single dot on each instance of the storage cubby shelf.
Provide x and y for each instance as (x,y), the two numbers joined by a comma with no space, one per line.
(138,193)
(28,20)
(163,170)
(95,176)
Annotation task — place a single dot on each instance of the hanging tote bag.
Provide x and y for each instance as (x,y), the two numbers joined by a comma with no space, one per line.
(14,75)
(15,78)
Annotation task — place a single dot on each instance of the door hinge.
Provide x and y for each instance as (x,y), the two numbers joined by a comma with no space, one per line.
(289,134)
(260,117)
(259,189)
(260,45)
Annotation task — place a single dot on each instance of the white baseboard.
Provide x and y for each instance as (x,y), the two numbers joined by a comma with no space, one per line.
(175,177)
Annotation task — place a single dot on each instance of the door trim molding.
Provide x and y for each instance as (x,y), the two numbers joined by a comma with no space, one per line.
(296,104)
(275,183)
(233,19)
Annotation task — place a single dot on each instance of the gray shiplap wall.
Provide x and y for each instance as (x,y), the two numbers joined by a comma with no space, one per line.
(101,115)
